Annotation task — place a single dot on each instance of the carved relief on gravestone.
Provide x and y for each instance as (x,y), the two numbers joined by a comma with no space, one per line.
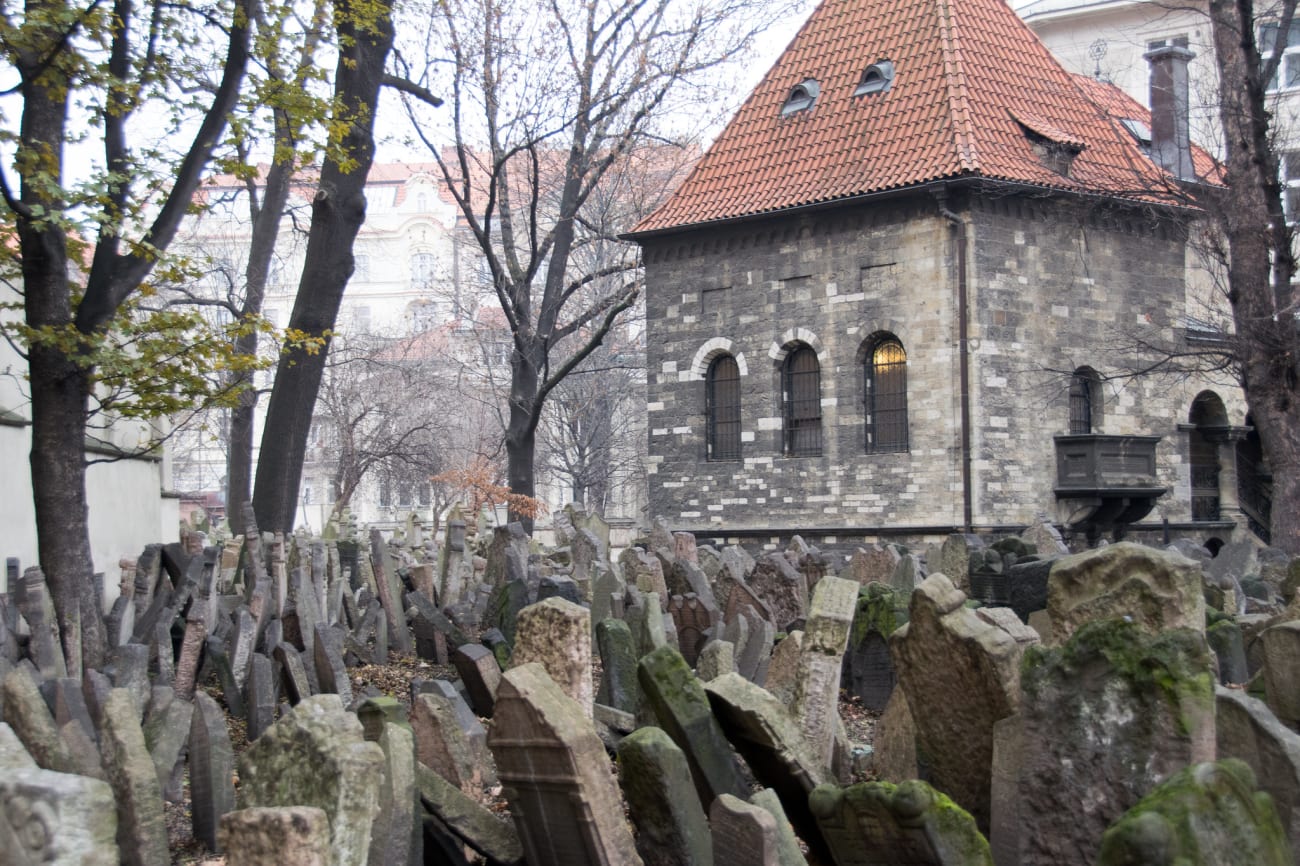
(692,619)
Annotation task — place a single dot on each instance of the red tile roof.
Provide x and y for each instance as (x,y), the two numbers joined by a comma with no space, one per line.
(969,79)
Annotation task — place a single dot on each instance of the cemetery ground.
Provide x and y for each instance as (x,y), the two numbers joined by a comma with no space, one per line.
(481,699)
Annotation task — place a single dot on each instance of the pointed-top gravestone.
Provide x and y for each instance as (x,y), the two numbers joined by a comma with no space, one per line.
(743,834)
(556,777)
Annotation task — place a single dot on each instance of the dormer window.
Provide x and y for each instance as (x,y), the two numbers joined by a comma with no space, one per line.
(801,98)
(876,79)
(1055,148)
(1140,131)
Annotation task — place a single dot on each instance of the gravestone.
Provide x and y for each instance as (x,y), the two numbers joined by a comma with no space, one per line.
(768,738)
(873,564)
(781,587)
(743,834)
(618,684)
(1247,731)
(555,775)
(166,733)
(788,852)
(644,571)
(817,688)
(680,704)
(756,655)
(912,824)
(212,766)
(260,700)
(1045,538)
(276,836)
(783,672)
(317,756)
(868,668)
(894,759)
(459,820)
(692,618)
(717,658)
(1281,650)
(977,683)
(1205,815)
(331,673)
(606,586)
(394,840)
(29,716)
(446,744)
(954,558)
(56,818)
(1156,589)
(1225,639)
(557,634)
(1083,758)
(479,671)
(389,589)
(656,782)
(141,831)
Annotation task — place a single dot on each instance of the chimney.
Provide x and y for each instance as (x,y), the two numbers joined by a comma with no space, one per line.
(1171,142)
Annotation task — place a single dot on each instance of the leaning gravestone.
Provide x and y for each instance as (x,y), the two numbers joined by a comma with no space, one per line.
(956,702)
(1104,719)
(1246,730)
(656,780)
(556,777)
(1156,589)
(618,684)
(912,824)
(212,765)
(682,708)
(1204,816)
(781,587)
(817,688)
(743,834)
(141,832)
(763,731)
(317,756)
(873,564)
(444,745)
(1281,647)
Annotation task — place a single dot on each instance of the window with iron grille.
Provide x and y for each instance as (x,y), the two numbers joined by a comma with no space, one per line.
(886,397)
(1085,391)
(801,388)
(722,408)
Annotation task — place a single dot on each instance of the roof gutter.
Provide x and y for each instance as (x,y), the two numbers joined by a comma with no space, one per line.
(960,229)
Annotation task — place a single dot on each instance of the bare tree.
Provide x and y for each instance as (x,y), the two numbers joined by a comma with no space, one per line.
(545,101)
(1256,248)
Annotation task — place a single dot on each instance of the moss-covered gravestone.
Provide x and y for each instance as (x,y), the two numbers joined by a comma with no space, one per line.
(656,781)
(682,708)
(912,824)
(1206,815)
(868,670)
(1103,720)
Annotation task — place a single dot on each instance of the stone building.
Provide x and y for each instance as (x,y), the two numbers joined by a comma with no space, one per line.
(892,298)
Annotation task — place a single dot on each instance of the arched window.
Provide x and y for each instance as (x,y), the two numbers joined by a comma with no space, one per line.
(1085,401)
(885,390)
(801,390)
(722,408)
(876,79)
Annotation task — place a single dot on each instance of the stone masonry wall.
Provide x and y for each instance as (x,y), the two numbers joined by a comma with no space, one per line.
(1049,280)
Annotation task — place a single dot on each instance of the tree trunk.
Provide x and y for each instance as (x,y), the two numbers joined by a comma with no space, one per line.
(521,429)
(337,213)
(1260,265)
